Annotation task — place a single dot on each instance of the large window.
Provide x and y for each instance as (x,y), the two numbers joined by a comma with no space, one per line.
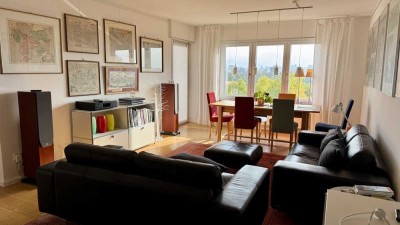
(255,64)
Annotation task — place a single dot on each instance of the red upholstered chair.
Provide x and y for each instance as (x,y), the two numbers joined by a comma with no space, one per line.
(226,117)
(244,115)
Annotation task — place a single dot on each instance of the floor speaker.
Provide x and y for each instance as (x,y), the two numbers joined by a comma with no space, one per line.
(170,99)
(36,126)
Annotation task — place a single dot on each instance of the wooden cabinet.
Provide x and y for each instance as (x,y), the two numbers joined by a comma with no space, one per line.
(134,126)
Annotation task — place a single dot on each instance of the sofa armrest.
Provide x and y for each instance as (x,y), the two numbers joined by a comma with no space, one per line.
(245,197)
(293,184)
(45,187)
(313,138)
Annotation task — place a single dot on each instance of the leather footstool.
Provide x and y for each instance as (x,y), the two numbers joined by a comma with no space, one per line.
(233,154)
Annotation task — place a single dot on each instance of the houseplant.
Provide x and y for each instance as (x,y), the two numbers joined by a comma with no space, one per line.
(262,97)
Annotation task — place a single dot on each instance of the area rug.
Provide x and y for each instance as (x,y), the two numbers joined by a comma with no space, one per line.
(268,160)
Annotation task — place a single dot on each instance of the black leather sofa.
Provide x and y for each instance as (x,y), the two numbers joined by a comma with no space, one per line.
(299,184)
(98,185)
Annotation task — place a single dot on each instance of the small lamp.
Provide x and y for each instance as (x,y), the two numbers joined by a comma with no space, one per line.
(337,108)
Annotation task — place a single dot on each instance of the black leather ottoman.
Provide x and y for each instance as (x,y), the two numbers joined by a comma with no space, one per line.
(233,154)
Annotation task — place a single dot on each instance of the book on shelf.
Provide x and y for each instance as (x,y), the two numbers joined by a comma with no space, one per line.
(373,190)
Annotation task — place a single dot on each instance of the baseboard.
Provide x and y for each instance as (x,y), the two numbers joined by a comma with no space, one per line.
(10,181)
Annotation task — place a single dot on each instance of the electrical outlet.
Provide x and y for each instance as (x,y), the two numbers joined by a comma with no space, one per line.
(18,157)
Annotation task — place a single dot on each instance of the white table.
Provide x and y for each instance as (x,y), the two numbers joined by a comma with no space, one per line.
(339,204)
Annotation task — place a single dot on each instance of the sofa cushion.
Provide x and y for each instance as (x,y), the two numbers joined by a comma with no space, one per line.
(332,135)
(361,154)
(305,151)
(101,157)
(200,175)
(197,158)
(333,155)
(356,130)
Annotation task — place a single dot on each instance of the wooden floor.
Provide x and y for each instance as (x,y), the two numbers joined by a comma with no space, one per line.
(18,202)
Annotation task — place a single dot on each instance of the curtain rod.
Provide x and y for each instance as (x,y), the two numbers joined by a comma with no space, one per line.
(268,10)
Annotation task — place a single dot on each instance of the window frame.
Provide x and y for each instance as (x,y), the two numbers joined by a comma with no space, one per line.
(252,61)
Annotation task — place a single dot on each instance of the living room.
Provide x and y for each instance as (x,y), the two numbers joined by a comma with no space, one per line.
(189,23)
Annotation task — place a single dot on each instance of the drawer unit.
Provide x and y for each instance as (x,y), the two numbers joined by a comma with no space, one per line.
(141,136)
(120,138)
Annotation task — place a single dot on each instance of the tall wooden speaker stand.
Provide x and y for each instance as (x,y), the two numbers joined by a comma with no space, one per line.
(36,124)
(169,98)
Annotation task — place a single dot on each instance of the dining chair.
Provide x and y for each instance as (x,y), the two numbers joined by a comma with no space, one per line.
(284,96)
(283,114)
(213,112)
(326,126)
(244,116)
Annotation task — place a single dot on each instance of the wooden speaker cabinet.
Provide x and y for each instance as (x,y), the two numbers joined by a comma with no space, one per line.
(169,97)
(36,125)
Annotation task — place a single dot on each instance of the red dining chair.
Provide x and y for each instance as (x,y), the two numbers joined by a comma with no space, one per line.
(213,112)
(244,115)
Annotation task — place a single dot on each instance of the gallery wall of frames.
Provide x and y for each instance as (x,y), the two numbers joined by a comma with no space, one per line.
(382,67)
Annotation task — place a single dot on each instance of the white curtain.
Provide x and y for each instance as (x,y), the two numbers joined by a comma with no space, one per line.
(331,67)
(208,69)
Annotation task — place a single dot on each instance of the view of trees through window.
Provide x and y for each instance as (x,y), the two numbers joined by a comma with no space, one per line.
(266,58)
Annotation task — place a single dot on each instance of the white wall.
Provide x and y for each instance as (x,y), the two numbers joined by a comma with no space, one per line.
(381,114)
(146,25)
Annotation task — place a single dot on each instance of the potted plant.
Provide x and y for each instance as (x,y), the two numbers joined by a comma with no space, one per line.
(262,97)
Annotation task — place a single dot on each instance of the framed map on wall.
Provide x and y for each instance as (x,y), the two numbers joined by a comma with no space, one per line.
(372,43)
(119,42)
(83,77)
(81,34)
(391,49)
(380,50)
(30,43)
(121,79)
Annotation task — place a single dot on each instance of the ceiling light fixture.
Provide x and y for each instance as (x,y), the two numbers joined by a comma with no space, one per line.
(237,25)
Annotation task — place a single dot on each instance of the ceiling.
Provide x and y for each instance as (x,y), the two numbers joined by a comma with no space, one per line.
(202,12)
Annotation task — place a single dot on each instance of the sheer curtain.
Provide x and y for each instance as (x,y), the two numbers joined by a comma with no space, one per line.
(331,66)
(208,69)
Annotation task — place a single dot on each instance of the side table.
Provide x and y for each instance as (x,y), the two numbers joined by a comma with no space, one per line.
(339,204)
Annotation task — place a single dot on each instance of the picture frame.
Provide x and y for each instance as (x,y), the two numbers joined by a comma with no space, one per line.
(81,34)
(391,49)
(380,51)
(372,50)
(83,78)
(120,79)
(119,42)
(151,55)
(24,53)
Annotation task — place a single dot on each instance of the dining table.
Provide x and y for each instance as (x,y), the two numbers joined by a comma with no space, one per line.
(300,111)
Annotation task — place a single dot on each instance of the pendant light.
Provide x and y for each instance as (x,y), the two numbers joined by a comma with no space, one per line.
(276,68)
(299,70)
(237,25)
(255,66)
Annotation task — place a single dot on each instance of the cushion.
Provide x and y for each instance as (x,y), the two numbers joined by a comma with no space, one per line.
(101,157)
(332,135)
(195,174)
(333,155)
(196,158)
(361,154)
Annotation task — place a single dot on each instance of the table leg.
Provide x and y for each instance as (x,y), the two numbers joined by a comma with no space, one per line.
(219,124)
(305,121)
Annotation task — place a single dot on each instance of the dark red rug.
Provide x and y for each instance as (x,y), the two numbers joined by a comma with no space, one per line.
(268,160)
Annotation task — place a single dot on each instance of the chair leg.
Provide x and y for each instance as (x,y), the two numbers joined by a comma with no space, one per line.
(251,139)
(209,133)
(265,130)
(296,135)
(229,130)
(291,140)
(241,134)
(235,133)
(272,141)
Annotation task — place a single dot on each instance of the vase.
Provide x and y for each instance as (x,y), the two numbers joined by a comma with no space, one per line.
(94,125)
(101,123)
(110,122)
(260,101)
